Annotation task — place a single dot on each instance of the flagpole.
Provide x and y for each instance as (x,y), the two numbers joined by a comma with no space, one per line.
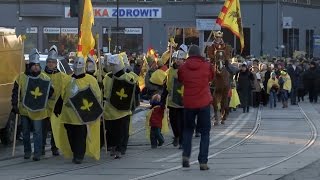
(81,5)
(209,37)
(100,81)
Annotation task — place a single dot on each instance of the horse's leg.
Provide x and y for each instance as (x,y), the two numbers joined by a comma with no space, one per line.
(224,106)
(215,110)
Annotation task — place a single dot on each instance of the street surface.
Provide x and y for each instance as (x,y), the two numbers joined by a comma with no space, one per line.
(263,144)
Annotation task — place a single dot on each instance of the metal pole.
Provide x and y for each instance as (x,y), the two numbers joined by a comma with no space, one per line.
(293,40)
(117,33)
(235,44)
(261,27)
(81,4)
(278,27)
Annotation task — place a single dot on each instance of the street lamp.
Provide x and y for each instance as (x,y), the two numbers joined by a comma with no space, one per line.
(261,27)
(117,34)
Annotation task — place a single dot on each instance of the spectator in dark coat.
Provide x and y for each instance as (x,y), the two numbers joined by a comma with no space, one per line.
(311,78)
(301,92)
(294,73)
(245,85)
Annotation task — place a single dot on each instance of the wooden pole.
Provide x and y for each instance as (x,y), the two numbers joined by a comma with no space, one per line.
(210,35)
(23,37)
(100,81)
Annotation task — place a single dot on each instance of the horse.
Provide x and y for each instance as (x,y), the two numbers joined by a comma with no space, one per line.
(219,54)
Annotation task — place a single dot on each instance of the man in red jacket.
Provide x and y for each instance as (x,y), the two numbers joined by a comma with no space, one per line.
(195,75)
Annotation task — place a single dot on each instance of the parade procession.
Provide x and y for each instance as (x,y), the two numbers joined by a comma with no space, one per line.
(125,106)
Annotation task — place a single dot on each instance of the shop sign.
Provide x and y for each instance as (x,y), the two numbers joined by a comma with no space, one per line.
(287,22)
(316,41)
(127,12)
(133,30)
(207,25)
(69,30)
(32,30)
(48,30)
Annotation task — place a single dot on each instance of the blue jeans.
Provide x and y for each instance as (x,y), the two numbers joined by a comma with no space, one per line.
(284,95)
(203,125)
(37,136)
(272,99)
(156,137)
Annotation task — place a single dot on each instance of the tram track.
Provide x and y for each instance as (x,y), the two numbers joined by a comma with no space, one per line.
(253,131)
(137,131)
(309,143)
(97,163)
(257,126)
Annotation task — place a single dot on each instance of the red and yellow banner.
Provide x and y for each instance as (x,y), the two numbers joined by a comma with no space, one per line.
(230,17)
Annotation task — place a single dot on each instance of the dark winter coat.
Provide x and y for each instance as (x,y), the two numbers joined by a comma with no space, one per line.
(311,79)
(294,75)
(244,87)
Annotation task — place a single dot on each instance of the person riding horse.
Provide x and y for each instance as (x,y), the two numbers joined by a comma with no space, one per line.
(219,54)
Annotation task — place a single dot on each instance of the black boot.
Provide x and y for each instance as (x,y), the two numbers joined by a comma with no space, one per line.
(244,109)
(247,109)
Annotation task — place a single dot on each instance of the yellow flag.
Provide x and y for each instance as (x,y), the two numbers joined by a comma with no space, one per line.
(86,40)
(230,17)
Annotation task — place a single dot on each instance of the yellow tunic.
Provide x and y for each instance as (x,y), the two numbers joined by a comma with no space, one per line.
(110,112)
(172,73)
(234,100)
(271,83)
(22,82)
(68,116)
(287,83)
(58,81)
(165,125)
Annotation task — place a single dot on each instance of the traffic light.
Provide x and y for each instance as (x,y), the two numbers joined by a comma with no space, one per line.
(74,8)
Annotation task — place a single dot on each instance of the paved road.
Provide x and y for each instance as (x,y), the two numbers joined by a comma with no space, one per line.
(263,144)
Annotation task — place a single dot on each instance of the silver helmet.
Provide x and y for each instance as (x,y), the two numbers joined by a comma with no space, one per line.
(79,66)
(34,56)
(115,63)
(90,64)
(53,53)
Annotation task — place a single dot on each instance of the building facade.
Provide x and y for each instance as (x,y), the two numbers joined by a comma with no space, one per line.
(271,27)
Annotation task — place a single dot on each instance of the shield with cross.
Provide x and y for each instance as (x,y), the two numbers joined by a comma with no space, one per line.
(86,105)
(122,94)
(177,92)
(36,95)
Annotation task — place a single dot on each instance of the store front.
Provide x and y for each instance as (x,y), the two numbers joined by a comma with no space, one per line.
(66,39)
(129,39)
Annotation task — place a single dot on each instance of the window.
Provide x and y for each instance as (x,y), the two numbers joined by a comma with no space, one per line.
(129,39)
(187,36)
(66,39)
(309,43)
(31,39)
(290,41)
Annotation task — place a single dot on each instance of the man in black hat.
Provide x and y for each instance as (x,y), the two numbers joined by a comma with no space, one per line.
(294,72)
(311,78)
